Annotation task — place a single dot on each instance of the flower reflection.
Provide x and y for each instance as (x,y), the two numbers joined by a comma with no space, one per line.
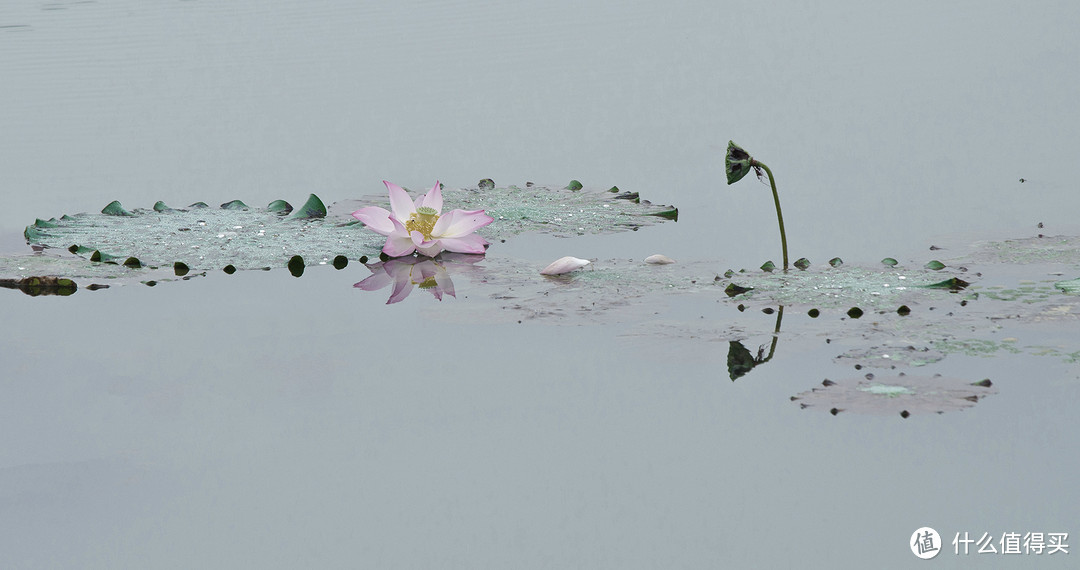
(405,273)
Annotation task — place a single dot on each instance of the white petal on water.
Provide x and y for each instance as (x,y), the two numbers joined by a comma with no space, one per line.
(564,265)
(658,259)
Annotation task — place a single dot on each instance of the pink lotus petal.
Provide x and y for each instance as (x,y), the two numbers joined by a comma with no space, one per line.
(564,265)
(433,199)
(400,202)
(460,223)
(399,242)
(431,248)
(419,241)
(376,218)
(471,243)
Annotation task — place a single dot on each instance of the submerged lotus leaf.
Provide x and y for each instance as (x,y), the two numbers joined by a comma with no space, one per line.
(1071,286)
(1045,249)
(889,356)
(976,347)
(901,395)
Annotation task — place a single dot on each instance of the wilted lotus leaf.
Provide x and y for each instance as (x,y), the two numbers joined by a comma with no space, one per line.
(903,394)
(890,356)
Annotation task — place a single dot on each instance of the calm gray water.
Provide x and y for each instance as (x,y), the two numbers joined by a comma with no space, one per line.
(259,420)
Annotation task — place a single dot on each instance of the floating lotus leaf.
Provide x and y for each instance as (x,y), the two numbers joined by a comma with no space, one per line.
(903,394)
(204,238)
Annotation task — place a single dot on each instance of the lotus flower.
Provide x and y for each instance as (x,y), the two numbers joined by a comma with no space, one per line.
(420,226)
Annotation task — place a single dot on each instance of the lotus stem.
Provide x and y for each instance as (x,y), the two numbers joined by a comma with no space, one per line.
(779,214)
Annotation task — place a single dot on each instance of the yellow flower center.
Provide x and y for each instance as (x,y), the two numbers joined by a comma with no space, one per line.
(423,221)
(428,283)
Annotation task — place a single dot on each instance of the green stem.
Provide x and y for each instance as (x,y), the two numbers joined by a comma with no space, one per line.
(779,214)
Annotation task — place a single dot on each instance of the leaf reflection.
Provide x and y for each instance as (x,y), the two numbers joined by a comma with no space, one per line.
(741,361)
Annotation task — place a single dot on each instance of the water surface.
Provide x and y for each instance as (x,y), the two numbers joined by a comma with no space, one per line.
(263,420)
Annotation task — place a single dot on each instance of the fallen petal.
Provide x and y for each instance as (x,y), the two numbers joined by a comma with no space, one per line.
(658,259)
(564,265)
